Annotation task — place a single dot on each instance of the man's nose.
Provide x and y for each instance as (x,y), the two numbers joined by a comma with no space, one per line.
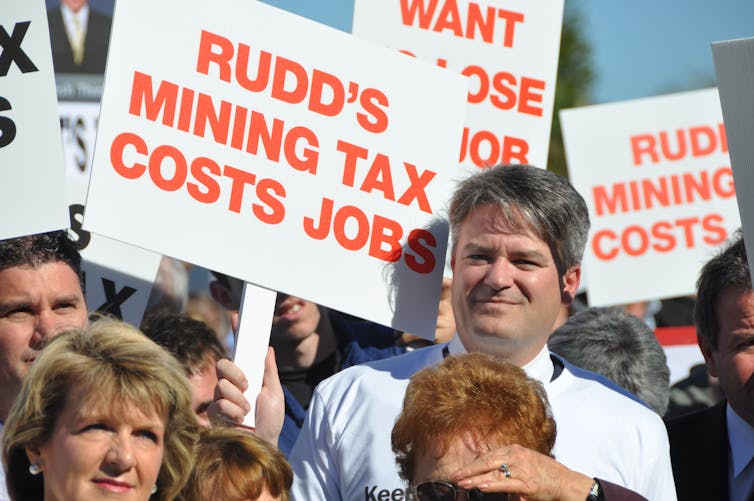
(499,274)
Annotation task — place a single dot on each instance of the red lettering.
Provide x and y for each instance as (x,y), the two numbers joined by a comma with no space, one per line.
(207,42)
(416,190)
(321,231)
(644,144)
(353,153)
(418,241)
(385,231)
(259,83)
(528,96)
(361,237)
(156,172)
(283,68)
(240,179)
(320,79)
(165,101)
(716,233)
(664,240)
(117,149)
(379,177)
(627,241)
(371,100)
(266,189)
(202,170)
(597,247)
(307,162)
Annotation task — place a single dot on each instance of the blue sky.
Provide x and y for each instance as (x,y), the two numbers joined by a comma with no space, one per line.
(640,48)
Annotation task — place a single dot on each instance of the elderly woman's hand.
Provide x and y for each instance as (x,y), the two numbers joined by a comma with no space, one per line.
(518,470)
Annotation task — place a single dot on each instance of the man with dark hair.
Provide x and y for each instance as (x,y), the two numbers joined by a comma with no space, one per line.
(40,297)
(619,346)
(195,345)
(713,450)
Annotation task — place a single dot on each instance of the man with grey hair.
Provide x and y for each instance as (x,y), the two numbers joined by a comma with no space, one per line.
(619,346)
(713,450)
(518,235)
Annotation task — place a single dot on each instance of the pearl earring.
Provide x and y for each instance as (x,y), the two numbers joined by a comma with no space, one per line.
(35,469)
(154,489)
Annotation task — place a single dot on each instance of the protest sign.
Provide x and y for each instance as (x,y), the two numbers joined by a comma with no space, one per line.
(319,169)
(735,77)
(657,180)
(118,277)
(31,156)
(509,51)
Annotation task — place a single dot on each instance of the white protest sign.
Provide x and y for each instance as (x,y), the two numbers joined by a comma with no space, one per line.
(118,277)
(656,176)
(735,80)
(252,339)
(318,169)
(32,197)
(509,51)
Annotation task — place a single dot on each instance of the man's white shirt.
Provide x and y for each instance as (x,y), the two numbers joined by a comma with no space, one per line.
(344,451)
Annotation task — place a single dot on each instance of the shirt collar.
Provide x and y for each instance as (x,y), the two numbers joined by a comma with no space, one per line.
(740,438)
(539,368)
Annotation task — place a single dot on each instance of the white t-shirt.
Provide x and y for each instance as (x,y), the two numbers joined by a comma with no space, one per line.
(344,451)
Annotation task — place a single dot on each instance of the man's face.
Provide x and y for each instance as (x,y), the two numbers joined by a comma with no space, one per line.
(732,361)
(75,5)
(506,289)
(35,304)
(203,391)
(294,318)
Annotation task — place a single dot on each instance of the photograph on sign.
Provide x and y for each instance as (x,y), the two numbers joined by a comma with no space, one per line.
(318,169)
(79,35)
(656,177)
(508,49)
(31,177)
(734,66)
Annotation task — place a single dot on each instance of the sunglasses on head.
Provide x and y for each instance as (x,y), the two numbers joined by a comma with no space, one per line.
(445,491)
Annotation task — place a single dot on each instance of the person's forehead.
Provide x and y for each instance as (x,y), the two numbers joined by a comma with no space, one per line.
(54,275)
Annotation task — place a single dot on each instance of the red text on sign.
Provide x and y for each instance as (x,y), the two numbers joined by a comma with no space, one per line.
(664,191)
(290,82)
(233,125)
(353,230)
(488,24)
(682,143)
(661,237)
(505,91)
(379,177)
(170,171)
(485,149)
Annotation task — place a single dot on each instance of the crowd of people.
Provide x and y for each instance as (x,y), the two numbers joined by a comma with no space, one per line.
(513,405)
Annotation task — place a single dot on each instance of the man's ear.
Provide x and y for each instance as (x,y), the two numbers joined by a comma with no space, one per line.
(708,353)
(571,281)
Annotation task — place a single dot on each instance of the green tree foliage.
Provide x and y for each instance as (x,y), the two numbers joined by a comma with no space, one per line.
(575,77)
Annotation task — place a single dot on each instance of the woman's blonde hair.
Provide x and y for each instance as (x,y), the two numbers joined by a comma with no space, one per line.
(118,366)
(233,464)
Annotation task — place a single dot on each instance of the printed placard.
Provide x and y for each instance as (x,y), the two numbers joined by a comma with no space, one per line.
(32,176)
(118,277)
(320,169)
(508,49)
(657,179)
(735,79)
